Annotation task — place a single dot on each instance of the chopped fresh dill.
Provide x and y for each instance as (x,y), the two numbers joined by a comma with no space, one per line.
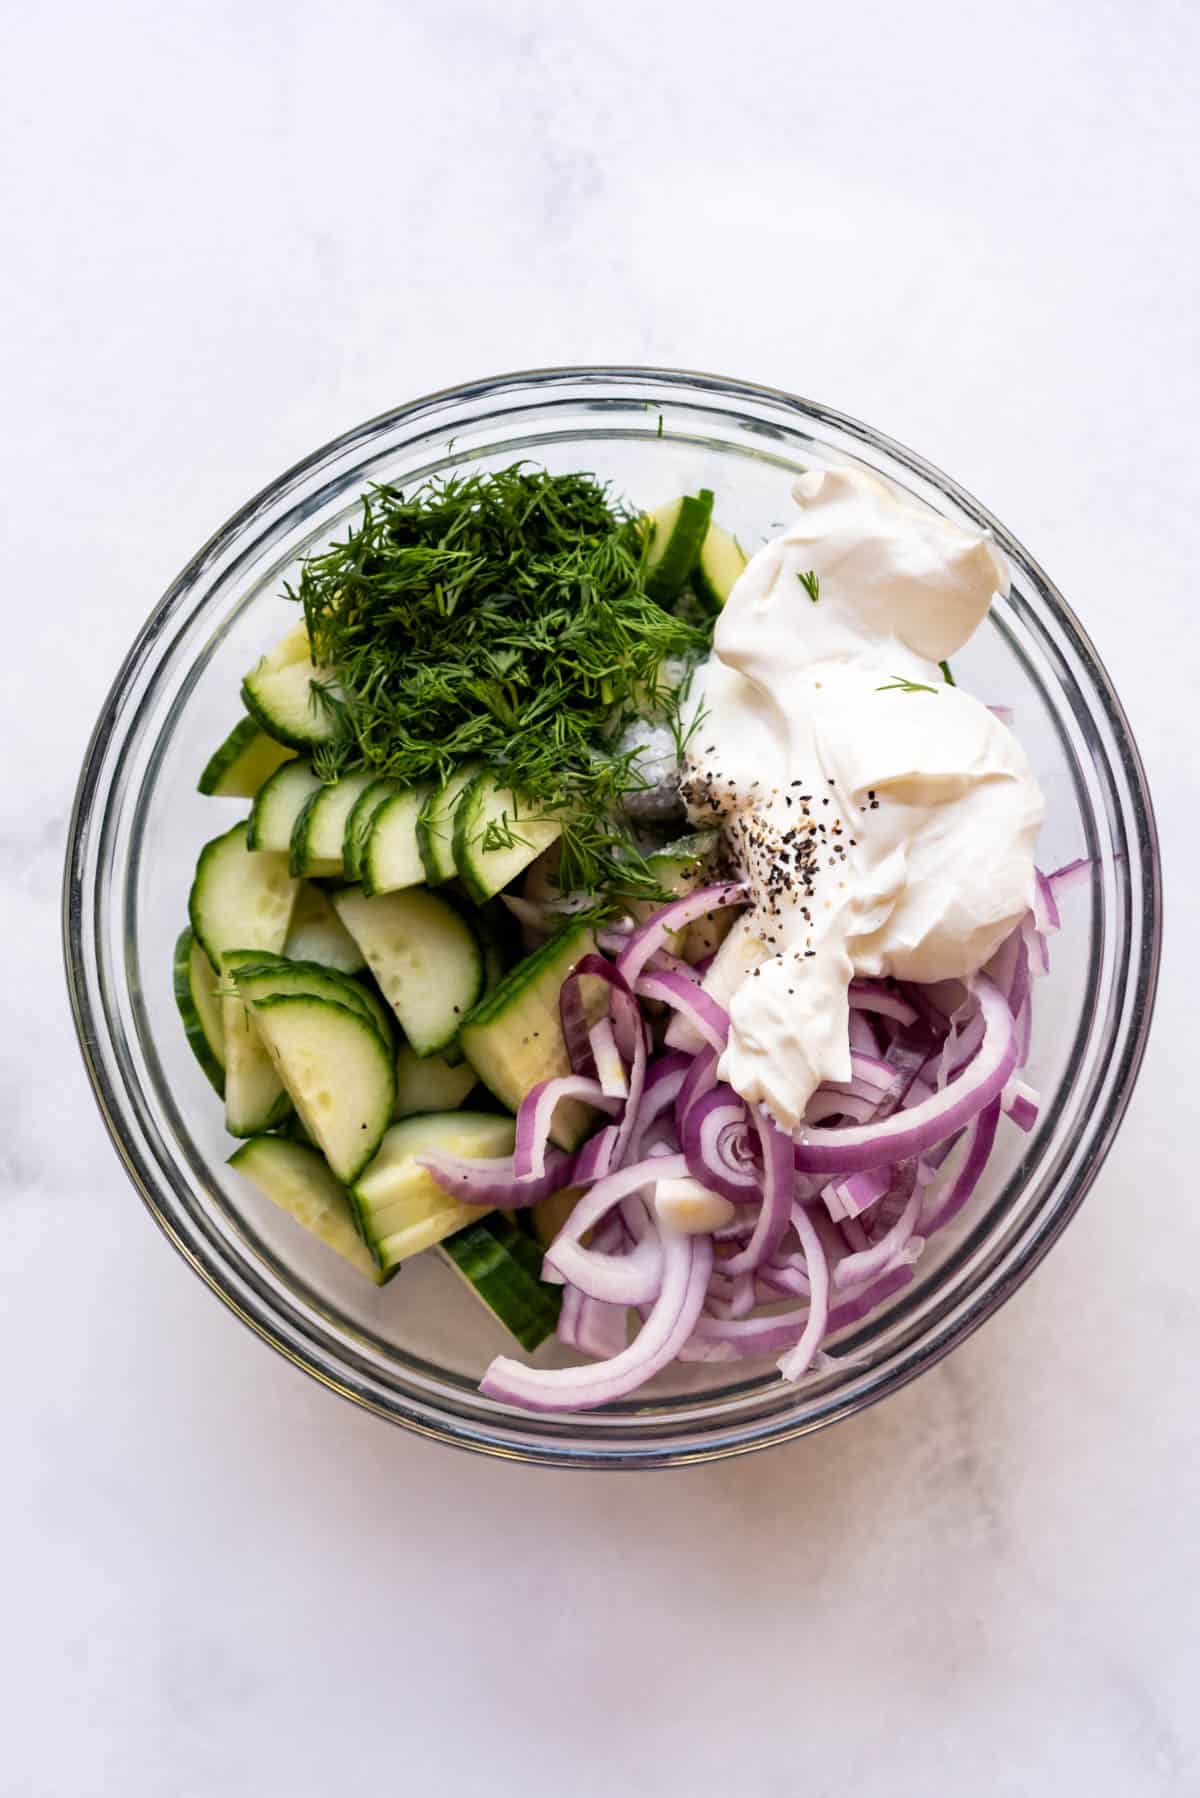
(812,585)
(501,618)
(898,684)
(946,674)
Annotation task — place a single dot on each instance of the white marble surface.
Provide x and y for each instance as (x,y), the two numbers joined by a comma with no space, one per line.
(233,230)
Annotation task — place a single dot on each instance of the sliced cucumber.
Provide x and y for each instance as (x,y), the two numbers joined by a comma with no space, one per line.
(429,1083)
(501,1266)
(278,804)
(497,930)
(401,1208)
(316,933)
(319,832)
(548,1216)
(679,868)
(240,898)
(358,824)
(338,1071)
(513,1039)
(255,1099)
(297,1180)
(435,826)
(259,979)
(704,937)
(278,692)
(494,840)
(718,566)
(200,1008)
(391,859)
(675,536)
(247,757)
(425,958)
(293,646)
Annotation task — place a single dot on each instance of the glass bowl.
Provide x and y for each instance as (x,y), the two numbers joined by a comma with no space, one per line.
(413,1351)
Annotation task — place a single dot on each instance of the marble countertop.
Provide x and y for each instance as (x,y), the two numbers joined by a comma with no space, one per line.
(231,233)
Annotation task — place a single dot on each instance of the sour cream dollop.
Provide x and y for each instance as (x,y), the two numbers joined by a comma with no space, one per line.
(884,820)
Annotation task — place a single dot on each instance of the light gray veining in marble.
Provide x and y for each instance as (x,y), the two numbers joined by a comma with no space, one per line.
(233,231)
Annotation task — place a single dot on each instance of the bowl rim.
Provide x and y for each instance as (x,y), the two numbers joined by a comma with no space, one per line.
(1144,978)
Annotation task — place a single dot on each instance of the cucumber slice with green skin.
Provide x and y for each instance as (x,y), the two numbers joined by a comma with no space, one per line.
(391,860)
(401,1208)
(277,805)
(358,824)
(255,1099)
(425,958)
(247,757)
(200,1008)
(676,536)
(316,933)
(279,693)
(240,899)
(429,1083)
(337,1070)
(319,832)
(720,562)
(501,1266)
(263,979)
(513,1039)
(493,840)
(679,868)
(435,826)
(297,1180)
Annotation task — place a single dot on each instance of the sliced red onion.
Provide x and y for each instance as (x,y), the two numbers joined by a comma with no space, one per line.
(1019,986)
(614,1082)
(914,1130)
(882,1256)
(873,995)
(1037,953)
(856,1193)
(732,1298)
(594,1160)
(573,1021)
(536,1117)
(1045,906)
(662,963)
(826,1103)
(686,1265)
(600,1330)
(871,1071)
(665,1076)
(492,1183)
(665,922)
(795,1364)
(1022,1031)
(862,1036)
(700,1079)
(630,1279)
(778,1190)
(715,1143)
(937,1212)
(709,1020)
(1071,874)
(1020,1103)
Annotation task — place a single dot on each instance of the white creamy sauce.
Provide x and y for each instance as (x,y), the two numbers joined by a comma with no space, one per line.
(883,830)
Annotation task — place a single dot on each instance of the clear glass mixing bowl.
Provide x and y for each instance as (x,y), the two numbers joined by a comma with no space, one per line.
(413,1351)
